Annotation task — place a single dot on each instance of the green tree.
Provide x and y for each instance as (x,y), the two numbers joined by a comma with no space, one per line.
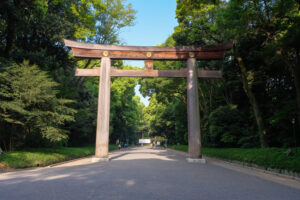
(110,17)
(228,127)
(197,22)
(166,113)
(34,31)
(265,53)
(125,111)
(28,100)
(261,25)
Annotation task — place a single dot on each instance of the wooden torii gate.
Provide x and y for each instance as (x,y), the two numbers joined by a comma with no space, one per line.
(108,52)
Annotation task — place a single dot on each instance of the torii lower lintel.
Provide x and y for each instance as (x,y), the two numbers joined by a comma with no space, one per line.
(149,73)
(188,53)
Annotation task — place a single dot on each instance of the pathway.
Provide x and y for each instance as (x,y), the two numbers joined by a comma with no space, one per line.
(145,173)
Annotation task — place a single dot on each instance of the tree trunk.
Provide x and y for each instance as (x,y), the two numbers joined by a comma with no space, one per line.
(296,73)
(253,102)
(295,70)
(10,34)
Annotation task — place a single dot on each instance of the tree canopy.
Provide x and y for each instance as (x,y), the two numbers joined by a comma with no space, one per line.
(41,101)
(256,103)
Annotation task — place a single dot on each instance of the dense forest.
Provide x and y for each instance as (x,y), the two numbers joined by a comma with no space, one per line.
(255,104)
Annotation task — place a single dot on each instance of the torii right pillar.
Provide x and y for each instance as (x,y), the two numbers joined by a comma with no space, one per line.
(194,132)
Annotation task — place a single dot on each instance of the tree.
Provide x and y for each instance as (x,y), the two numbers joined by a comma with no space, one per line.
(34,31)
(197,22)
(261,25)
(228,127)
(110,17)
(166,113)
(263,62)
(28,100)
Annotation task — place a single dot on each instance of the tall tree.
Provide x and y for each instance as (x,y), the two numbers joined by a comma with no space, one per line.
(28,100)
(261,24)
(126,112)
(110,17)
(34,30)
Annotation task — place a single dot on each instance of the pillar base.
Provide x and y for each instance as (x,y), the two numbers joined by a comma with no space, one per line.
(196,160)
(94,159)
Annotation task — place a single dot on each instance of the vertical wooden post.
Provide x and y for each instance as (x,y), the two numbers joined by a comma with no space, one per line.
(102,135)
(149,64)
(194,135)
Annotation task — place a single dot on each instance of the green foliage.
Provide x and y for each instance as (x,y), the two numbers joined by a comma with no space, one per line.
(111,16)
(264,93)
(261,32)
(166,112)
(275,158)
(228,127)
(196,21)
(265,86)
(126,119)
(28,99)
(44,156)
(34,31)
(179,147)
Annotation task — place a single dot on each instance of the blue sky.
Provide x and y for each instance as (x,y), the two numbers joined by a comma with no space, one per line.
(155,21)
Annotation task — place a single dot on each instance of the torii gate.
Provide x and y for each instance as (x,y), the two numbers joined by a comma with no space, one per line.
(108,52)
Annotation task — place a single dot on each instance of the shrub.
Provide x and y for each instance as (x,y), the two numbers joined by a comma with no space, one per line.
(228,128)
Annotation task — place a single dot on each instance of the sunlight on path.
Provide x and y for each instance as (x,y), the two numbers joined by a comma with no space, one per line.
(142,153)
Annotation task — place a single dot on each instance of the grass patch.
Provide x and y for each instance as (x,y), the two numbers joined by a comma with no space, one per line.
(44,156)
(266,157)
(179,147)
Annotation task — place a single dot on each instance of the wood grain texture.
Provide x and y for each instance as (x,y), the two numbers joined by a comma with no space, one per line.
(140,55)
(84,45)
(194,134)
(149,73)
(102,132)
(149,64)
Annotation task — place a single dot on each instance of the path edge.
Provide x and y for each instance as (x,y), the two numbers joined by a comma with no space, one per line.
(286,174)
(2,171)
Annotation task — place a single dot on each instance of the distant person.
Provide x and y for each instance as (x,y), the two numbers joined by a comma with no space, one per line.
(119,146)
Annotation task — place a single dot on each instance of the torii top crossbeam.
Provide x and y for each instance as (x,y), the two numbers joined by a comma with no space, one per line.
(88,50)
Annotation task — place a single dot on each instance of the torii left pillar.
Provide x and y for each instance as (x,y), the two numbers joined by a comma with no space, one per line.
(102,133)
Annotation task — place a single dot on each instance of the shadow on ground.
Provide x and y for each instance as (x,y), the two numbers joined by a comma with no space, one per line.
(140,173)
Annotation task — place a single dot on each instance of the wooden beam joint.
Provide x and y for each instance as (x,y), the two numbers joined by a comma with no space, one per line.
(149,64)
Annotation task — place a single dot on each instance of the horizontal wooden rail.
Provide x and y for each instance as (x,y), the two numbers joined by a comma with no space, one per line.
(138,55)
(148,73)
(84,45)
